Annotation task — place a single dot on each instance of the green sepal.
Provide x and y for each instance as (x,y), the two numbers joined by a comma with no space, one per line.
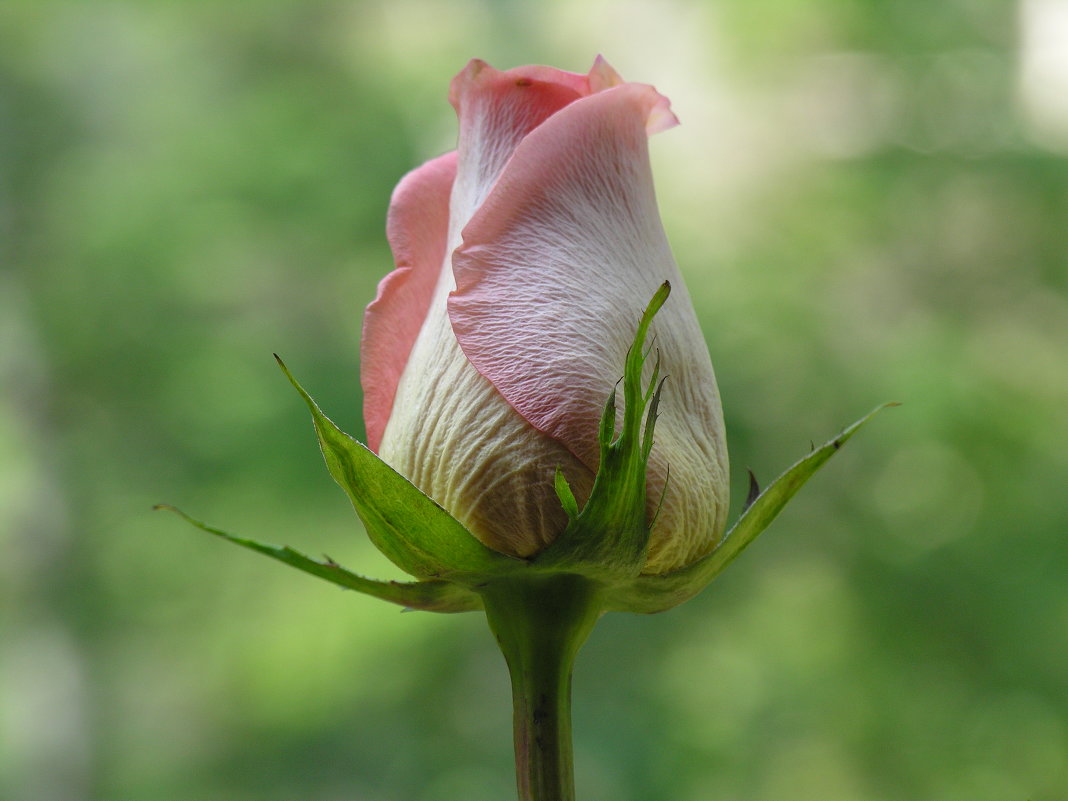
(656,593)
(431,596)
(609,539)
(408,526)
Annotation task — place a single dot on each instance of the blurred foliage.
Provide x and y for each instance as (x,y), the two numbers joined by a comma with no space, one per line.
(868,201)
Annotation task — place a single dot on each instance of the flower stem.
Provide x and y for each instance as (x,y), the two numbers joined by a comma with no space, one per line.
(540,624)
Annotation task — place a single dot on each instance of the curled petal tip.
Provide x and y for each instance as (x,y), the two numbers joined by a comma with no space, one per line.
(602,75)
(660,117)
(466,77)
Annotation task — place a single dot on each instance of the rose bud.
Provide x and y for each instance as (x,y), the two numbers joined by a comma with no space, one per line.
(546,419)
(523,261)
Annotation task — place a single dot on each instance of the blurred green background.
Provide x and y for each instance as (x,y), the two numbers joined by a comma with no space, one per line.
(868,201)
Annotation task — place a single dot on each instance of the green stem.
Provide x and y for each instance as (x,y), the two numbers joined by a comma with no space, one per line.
(540,624)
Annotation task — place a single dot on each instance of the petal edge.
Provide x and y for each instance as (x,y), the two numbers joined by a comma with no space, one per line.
(417,227)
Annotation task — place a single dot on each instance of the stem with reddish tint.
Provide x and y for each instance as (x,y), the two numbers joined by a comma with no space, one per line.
(540,623)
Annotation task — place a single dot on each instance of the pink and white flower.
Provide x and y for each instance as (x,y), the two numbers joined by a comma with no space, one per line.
(523,261)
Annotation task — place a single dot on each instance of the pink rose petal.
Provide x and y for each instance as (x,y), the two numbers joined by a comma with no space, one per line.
(557,263)
(417,228)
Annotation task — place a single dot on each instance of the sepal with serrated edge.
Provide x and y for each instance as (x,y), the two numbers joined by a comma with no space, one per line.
(434,595)
(658,593)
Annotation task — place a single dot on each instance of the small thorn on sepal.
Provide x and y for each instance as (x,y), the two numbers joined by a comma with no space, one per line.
(754,489)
